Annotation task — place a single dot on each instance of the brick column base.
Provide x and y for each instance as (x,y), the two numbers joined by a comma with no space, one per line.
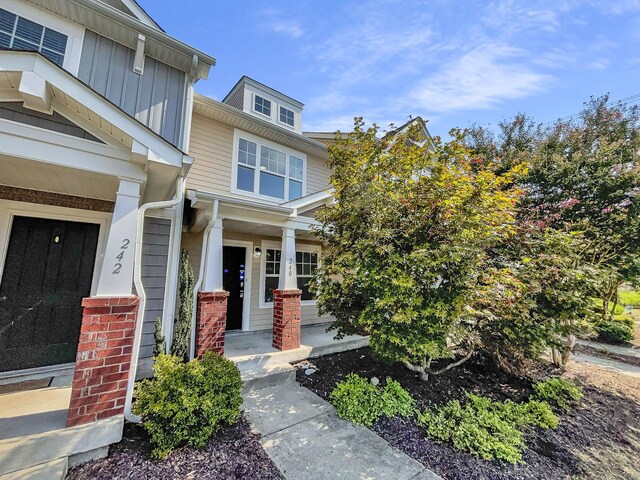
(212,322)
(286,319)
(103,359)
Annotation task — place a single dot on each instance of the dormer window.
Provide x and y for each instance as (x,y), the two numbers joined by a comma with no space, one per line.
(18,33)
(286,116)
(262,105)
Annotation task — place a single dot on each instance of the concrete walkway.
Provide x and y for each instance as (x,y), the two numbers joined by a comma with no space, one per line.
(303,436)
(613,365)
(629,351)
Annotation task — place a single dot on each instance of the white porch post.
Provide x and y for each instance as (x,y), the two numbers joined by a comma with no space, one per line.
(116,276)
(213,266)
(288,273)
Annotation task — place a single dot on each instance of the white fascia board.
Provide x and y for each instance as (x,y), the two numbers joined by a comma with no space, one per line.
(140,14)
(303,204)
(23,141)
(164,152)
(198,197)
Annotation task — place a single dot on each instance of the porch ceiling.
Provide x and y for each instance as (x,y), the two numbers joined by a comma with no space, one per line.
(20,172)
(261,230)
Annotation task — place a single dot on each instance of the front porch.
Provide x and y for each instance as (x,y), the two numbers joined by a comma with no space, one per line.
(314,342)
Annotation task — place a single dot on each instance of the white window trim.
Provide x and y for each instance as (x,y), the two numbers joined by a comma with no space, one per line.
(73,31)
(300,247)
(10,209)
(285,124)
(248,269)
(253,105)
(237,134)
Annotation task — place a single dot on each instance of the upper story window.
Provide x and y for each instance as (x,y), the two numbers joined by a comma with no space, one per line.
(286,116)
(262,105)
(18,33)
(267,171)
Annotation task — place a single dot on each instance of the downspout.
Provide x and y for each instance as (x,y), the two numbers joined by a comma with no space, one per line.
(137,280)
(196,287)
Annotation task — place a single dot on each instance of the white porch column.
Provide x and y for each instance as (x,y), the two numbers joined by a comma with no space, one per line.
(288,272)
(116,276)
(213,267)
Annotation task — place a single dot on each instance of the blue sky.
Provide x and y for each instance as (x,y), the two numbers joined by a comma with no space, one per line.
(452,62)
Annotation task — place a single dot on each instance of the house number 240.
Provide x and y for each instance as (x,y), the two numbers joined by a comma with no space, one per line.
(118,266)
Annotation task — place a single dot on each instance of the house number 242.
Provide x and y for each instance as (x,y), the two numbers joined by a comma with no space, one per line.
(118,265)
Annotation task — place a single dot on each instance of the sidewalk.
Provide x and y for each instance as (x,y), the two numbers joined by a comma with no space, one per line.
(303,436)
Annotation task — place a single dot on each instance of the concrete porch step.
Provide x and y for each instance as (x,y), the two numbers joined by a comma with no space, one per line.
(262,373)
(25,452)
(53,470)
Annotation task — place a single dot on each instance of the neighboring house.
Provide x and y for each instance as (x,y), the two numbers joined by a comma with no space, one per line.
(95,111)
(251,193)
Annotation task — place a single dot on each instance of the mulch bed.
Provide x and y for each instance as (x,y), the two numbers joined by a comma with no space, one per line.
(598,440)
(607,354)
(234,453)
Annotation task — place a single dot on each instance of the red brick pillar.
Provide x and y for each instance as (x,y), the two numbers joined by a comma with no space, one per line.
(103,359)
(286,319)
(212,322)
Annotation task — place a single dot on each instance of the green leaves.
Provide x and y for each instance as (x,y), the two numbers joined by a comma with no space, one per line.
(558,392)
(359,401)
(406,239)
(185,403)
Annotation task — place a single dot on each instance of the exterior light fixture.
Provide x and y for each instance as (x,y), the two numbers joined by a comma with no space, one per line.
(257,252)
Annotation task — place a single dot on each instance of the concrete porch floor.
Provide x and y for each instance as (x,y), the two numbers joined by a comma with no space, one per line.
(314,341)
(33,411)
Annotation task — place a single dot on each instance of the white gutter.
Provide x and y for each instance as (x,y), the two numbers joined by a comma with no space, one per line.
(137,280)
(196,287)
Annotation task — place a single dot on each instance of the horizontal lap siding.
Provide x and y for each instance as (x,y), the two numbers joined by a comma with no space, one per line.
(260,318)
(212,148)
(156,98)
(155,258)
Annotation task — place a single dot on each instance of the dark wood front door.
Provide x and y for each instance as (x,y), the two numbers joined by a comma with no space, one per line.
(233,280)
(47,271)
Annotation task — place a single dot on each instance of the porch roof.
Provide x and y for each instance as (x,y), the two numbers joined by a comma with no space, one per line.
(129,149)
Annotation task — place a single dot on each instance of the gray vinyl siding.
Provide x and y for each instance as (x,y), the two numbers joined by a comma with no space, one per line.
(155,257)
(156,98)
(237,99)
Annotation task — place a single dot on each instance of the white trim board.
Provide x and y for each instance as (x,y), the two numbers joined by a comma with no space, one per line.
(248,271)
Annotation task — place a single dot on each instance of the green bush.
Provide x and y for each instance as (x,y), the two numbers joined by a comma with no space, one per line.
(619,329)
(185,403)
(556,391)
(629,297)
(356,399)
(486,428)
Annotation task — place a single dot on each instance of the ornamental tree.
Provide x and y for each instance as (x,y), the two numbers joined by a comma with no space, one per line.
(406,242)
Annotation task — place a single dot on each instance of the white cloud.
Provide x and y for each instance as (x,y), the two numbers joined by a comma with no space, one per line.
(481,78)
(286,27)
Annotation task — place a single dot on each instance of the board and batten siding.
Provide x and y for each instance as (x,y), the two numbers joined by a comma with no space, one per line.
(211,146)
(237,99)
(155,258)
(156,98)
(259,318)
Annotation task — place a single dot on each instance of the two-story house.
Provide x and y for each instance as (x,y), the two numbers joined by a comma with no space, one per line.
(95,112)
(251,193)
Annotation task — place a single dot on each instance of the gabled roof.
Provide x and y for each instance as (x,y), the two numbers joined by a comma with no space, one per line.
(261,86)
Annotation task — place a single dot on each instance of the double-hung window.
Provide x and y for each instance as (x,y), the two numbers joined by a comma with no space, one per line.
(307,263)
(268,171)
(18,33)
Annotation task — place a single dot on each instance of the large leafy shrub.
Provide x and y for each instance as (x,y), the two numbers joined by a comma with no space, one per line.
(186,403)
(559,392)
(406,242)
(487,428)
(359,401)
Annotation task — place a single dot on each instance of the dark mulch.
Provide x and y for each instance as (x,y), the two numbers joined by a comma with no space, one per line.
(599,440)
(602,353)
(234,453)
